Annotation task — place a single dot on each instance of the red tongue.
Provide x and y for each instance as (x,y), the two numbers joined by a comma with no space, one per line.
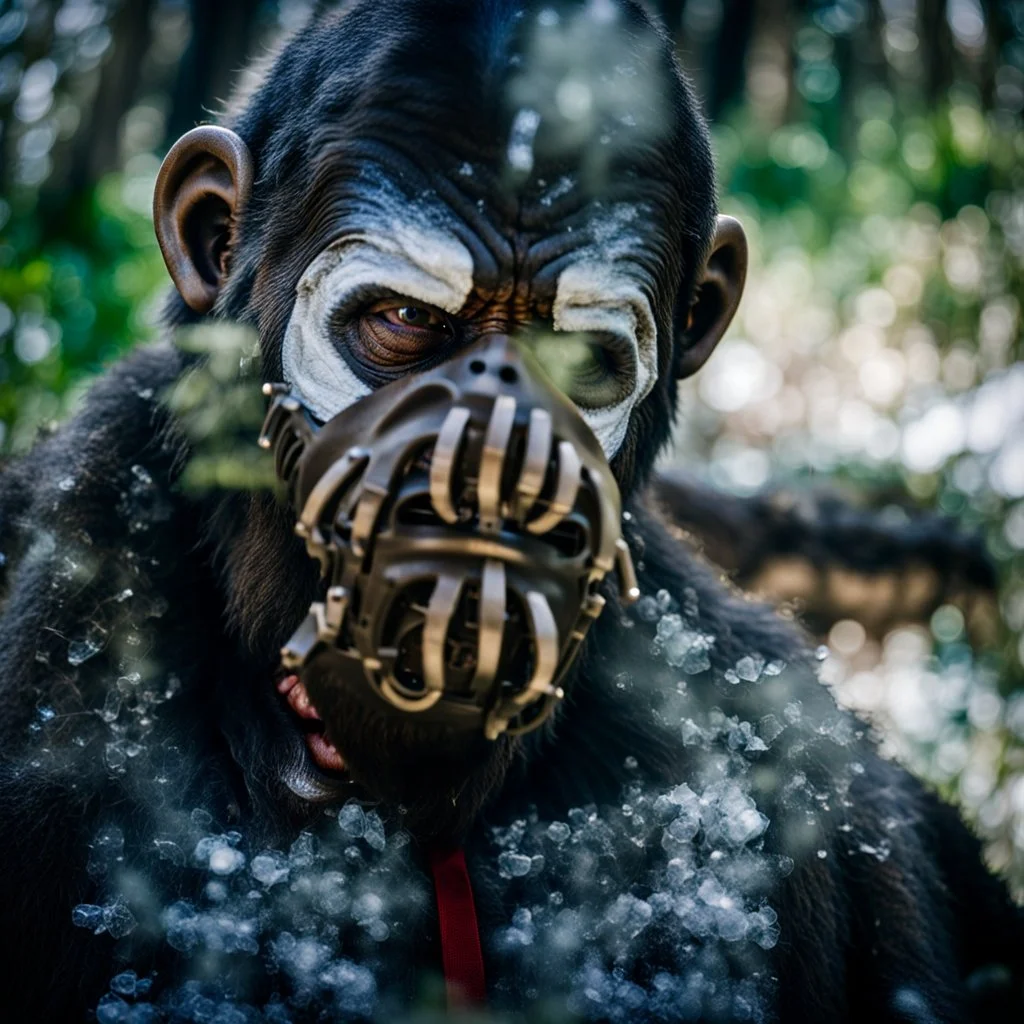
(324,753)
(287,683)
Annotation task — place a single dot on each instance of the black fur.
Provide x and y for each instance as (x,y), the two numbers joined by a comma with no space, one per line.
(836,558)
(743,534)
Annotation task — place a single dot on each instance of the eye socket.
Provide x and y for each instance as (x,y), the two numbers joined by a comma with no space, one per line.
(593,371)
(398,334)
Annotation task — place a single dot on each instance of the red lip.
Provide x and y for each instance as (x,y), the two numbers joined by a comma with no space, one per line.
(324,754)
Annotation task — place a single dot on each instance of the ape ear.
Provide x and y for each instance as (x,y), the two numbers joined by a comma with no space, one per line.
(202,188)
(718,295)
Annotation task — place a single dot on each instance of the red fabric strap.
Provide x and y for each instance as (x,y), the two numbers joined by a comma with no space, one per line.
(460,933)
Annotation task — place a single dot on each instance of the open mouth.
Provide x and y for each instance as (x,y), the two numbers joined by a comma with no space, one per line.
(324,754)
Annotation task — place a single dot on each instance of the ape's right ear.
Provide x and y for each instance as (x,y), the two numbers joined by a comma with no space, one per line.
(203,185)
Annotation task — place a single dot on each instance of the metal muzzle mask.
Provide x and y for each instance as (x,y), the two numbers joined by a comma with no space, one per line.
(463,519)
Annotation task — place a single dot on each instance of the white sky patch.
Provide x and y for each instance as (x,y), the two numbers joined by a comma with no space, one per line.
(414,261)
(597,296)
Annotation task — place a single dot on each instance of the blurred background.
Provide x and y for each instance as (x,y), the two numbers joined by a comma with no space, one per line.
(874,151)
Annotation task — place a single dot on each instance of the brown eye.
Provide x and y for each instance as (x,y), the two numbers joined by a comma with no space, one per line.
(414,316)
(398,335)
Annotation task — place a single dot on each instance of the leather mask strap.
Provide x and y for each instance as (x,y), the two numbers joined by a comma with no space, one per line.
(460,933)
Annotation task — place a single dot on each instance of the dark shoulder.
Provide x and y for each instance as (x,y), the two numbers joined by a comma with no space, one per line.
(98,549)
(120,418)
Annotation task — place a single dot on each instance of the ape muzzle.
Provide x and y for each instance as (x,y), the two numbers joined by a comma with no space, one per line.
(463,519)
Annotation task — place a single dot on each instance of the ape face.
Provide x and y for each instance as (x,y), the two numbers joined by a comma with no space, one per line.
(410,180)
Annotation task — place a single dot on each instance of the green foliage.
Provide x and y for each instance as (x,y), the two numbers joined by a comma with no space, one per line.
(79,283)
(220,407)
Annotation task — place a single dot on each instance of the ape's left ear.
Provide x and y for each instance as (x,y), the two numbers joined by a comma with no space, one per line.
(718,295)
(203,185)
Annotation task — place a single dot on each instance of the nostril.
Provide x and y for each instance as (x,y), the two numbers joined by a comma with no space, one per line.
(477,366)
(508,374)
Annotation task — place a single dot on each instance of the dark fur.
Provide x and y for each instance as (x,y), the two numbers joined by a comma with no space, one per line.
(218,582)
(744,534)
(844,559)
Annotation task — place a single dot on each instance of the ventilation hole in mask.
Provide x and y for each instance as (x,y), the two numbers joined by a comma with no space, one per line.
(515,665)
(332,511)
(408,671)
(417,511)
(517,654)
(460,649)
(289,458)
(403,631)
(569,538)
(513,463)
(416,462)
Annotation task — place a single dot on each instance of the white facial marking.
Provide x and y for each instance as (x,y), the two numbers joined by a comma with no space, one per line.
(403,254)
(599,296)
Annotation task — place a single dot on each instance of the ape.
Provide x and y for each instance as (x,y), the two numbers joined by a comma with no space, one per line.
(690,831)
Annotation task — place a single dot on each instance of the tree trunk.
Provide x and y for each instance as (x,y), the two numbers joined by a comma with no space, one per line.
(222,37)
(97,144)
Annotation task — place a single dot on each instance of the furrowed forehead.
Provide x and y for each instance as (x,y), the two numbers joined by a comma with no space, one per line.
(417,233)
(416,246)
(450,218)
(463,200)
